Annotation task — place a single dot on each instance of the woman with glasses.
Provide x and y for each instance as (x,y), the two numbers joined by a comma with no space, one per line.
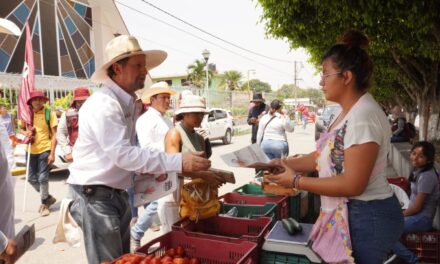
(360,218)
(424,197)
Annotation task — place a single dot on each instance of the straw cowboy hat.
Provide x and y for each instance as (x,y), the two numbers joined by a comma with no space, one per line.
(8,27)
(36,94)
(157,88)
(191,104)
(122,47)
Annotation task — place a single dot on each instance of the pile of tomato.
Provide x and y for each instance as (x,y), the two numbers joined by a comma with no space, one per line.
(172,256)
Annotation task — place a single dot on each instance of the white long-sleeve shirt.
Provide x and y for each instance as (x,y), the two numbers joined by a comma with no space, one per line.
(151,128)
(7,230)
(105,151)
(276,129)
(63,135)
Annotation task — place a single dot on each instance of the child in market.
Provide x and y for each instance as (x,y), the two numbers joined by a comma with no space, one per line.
(423,199)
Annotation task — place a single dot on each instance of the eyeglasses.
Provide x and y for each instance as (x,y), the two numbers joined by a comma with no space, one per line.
(323,76)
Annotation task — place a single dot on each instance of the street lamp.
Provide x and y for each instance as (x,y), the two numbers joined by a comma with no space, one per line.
(205,55)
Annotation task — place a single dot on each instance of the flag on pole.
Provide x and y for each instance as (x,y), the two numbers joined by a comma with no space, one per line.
(27,81)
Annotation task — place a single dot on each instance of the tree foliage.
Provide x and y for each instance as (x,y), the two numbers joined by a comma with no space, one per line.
(404,35)
(197,74)
(256,86)
(291,91)
(230,80)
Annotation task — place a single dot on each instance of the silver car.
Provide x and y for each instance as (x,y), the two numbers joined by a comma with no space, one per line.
(219,125)
(328,114)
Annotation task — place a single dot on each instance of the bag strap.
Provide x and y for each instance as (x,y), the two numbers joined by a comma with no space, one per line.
(185,139)
(264,129)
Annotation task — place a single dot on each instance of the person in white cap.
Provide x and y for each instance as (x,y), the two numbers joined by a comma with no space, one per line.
(105,154)
(151,128)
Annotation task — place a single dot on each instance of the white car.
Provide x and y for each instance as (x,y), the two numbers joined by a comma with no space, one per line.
(218,124)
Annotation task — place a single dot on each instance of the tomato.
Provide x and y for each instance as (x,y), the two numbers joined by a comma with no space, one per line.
(136,259)
(145,261)
(156,260)
(121,261)
(171,252)
(106,262)
(166,259)
(178,261)
(194,261)
(180,251)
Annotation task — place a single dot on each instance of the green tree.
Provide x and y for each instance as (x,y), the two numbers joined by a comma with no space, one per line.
(257,86)
(230,80)
(197,74)
(405,43)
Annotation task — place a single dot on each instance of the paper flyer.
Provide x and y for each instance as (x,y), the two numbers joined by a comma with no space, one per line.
(250,157)
(150,187)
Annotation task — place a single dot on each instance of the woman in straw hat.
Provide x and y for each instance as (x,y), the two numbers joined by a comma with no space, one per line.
(183,138)
(105,155)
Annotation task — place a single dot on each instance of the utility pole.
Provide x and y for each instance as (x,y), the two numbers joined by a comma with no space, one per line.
(295,79)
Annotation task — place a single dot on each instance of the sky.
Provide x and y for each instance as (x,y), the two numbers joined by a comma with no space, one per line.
(235,21)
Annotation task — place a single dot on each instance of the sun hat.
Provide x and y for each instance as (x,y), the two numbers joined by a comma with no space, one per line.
(157,88)
(9,27)
(191,104)
(80,94)
(258,97)
(124,46)
(36,94)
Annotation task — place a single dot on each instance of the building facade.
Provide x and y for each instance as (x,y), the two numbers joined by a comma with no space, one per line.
(68,41)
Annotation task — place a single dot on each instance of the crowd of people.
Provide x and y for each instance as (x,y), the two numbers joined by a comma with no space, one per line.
(112,139)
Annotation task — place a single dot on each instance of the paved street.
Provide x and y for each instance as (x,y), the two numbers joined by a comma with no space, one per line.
(44,251)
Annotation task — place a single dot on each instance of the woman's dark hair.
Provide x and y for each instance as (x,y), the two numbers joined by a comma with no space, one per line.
(275,104)
(428,151)
(350,54)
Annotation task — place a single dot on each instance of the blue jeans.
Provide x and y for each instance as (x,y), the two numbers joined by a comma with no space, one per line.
(304,122)
(375,227)
(144,221)
(39,173)
(412,224)
(104,218)
(274,149)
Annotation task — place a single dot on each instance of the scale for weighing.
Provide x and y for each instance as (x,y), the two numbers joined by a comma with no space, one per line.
(278,240)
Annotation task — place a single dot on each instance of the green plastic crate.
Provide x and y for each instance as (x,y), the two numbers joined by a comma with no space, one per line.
(253,189)
(252,211)
(269,257)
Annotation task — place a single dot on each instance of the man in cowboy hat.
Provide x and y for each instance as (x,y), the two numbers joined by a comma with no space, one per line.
(105,154)
(67,131)
(151,128)
(254,114)
(44,129)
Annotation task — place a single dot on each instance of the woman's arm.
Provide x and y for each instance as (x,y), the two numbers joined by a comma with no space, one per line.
(172,141)
(417,206)
(358,164)
(306,163)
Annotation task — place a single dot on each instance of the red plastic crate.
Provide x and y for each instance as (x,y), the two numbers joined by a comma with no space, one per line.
(208,251)
(230,229)
(282,208)
(426,245)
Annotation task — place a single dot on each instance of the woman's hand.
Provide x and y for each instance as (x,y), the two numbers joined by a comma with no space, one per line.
(276,166)
(284,178)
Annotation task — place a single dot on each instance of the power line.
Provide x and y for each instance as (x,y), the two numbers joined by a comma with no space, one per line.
(214,36)
(205,40)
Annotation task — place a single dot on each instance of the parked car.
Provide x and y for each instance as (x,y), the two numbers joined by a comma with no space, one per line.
(219,125)
(329,112)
